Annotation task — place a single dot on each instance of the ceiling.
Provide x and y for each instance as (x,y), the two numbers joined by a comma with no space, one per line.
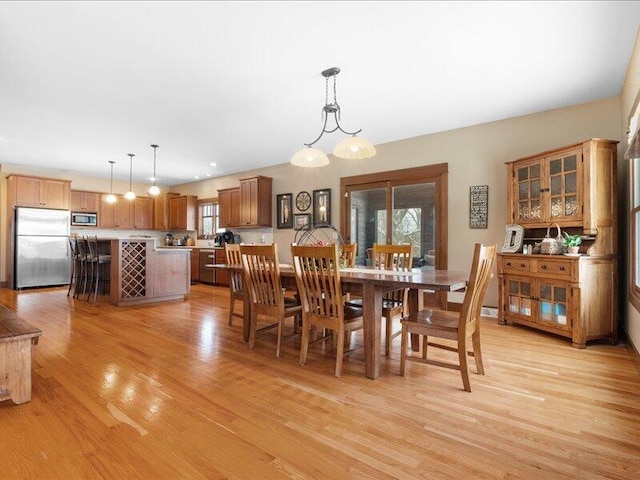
(238,84)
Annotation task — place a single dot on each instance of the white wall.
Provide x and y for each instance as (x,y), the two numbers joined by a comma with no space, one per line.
(630,89)
(476,156)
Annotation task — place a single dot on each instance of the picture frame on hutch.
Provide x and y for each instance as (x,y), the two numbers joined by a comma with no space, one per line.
(302,220)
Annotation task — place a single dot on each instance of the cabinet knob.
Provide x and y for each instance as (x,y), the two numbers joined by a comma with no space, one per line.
(508,264)
(543,267)
(522,265)
(562,268)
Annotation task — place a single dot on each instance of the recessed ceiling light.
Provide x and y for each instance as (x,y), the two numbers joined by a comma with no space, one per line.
(196,177)
(208,174)
(213,164)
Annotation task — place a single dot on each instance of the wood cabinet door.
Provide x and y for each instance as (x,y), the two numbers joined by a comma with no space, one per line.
(124,213)
(195,265)
(28,192)
(143,213)
(56,193)
(235,208)
(527,189)
(177,213)
(222,276)
(563,188)
(107,217)
(224,206)
(249,202)
(84,201)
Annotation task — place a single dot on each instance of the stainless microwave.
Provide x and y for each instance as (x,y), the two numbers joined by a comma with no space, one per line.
(84,219)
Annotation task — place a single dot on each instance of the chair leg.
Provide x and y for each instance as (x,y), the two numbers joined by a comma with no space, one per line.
(340,351)
(477,352)
(425,344)
(97,283)
(252,329)
(464,366)
(72,276)
(403,350)
(304,342)
(279,342)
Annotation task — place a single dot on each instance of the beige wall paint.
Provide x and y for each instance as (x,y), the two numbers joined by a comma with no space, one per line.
(630,89)
(475,155)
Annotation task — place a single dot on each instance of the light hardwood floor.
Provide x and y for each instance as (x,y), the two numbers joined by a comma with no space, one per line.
(171,391)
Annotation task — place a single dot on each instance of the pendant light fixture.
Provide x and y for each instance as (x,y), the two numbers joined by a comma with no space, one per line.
(154,190)
(351,148)
(111,198)
(130,195)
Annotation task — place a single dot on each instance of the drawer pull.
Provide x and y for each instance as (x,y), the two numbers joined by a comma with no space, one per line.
(543,267)
(562,269)
(522,265)
(508,264)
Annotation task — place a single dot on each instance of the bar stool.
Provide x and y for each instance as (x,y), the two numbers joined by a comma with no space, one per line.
(81,273)
(96,262)
(75,265)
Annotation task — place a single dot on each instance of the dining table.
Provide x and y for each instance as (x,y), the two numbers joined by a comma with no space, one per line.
(374,282)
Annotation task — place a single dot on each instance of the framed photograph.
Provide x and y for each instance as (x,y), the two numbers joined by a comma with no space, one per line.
(322,207)
(284,204)
(302,220)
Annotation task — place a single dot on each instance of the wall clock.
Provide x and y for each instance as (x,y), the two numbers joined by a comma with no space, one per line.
(303,201)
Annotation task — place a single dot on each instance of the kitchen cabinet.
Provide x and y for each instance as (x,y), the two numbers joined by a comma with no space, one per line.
(161,210)
(183,212)
(255,202)
(572,296)
(229,207)
(221,276)
(38,192)
(84,201)
(126,214)
(207,275)
(143,213)
(195,265)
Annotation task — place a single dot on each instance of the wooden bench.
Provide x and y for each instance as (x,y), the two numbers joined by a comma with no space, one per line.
(16,338)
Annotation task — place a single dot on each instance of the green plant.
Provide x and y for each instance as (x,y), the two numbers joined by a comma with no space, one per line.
(571,240)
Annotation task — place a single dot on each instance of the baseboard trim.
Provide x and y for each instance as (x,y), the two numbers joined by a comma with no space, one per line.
(633,352)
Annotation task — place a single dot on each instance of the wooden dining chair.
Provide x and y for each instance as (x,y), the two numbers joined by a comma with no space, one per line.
(236,289)
(349,253)
(393,303)
(263,285)
(457,326)
(317,270)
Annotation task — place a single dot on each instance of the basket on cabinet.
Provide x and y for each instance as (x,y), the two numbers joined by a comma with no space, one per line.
(552,246)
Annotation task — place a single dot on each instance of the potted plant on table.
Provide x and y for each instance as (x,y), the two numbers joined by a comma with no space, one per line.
(572,243)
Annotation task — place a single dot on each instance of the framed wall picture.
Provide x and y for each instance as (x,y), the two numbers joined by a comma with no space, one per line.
(284,204)
(302,220)
(322,207)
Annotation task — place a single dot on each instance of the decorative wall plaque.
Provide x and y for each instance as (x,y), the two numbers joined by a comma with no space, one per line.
(478,206)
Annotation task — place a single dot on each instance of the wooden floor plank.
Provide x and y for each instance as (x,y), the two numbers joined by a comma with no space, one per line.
(171,391)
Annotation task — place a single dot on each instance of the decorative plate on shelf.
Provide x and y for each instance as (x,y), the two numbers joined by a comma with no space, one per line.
(303,201)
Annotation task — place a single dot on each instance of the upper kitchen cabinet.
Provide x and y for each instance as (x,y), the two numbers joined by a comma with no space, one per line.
(161,210)
(255,202)
(183,212)
(126,213)
(571,186)
(85,201)
(143,213)
(38,192)
(229,207)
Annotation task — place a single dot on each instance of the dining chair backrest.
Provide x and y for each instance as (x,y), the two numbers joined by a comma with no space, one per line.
(481,272)
(233,257)
(392,256)
(262,278)
(317,270)
(349,252)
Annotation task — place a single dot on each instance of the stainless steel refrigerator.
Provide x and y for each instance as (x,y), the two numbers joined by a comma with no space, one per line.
(41,247)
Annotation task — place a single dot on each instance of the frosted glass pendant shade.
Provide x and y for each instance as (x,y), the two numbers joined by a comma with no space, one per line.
(310,158)
(130,195)
(354,148)
(154,190)
(111,198)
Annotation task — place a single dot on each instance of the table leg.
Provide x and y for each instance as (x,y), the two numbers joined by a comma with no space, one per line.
(371,312)
(416,301)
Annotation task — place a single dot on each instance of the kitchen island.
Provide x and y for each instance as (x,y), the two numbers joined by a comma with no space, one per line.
(142,273)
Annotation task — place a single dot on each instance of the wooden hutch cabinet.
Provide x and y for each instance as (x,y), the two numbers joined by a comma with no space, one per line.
(572,296)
